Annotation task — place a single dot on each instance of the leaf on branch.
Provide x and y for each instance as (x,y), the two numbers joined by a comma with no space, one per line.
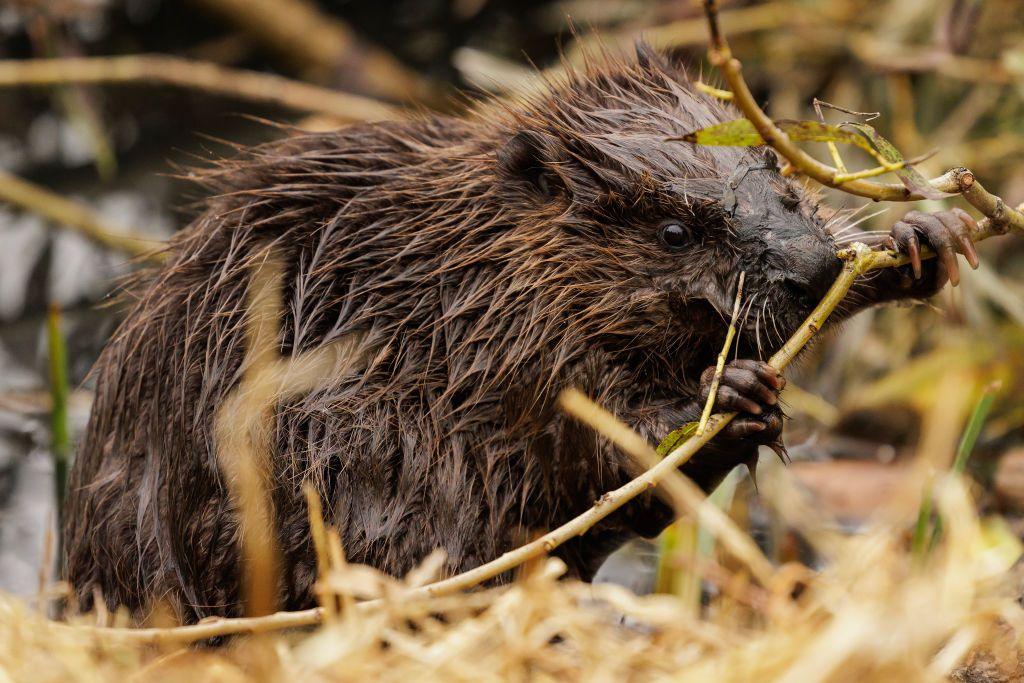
(741,133)
(676,438)
(908,175)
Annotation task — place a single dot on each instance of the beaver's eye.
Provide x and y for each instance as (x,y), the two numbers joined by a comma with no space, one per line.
(673,235)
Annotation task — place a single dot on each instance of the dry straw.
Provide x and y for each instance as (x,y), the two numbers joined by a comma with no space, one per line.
(874,614)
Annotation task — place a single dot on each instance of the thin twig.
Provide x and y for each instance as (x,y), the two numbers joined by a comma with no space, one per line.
(313,40)
(187,73)
(843,178)
(686,495)
(713,91)
(79,217)
(721,57)
(690,31)
(874,260)
(888,57)
(720,363)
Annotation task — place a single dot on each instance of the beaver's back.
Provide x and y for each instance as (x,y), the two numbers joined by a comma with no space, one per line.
(407,453)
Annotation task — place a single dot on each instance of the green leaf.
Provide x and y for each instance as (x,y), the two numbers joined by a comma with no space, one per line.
(908,175)
(676,438)
(738,133)
(741,133)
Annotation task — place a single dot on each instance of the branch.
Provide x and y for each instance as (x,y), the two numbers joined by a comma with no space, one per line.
(720,56)
(79,217)
(689,31)
(187,73)
(887,57)
(987,227)
(313,40)
(687,496)
(213,628)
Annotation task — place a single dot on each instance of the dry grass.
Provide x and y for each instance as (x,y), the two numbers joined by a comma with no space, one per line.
(875,612)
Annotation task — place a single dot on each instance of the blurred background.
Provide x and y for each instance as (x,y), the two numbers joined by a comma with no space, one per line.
(82,157)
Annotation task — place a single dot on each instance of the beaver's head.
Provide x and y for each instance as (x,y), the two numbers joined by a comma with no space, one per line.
(657,231)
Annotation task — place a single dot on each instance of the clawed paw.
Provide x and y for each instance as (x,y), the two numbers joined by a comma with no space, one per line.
(750,388)
(947,233)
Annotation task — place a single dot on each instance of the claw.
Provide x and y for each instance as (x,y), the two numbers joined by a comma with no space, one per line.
(948,258)
(780,450)
(752,471)
(913,246)
(967,249)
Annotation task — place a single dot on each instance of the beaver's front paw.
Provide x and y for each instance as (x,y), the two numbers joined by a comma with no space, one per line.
(946,233)
(750,388)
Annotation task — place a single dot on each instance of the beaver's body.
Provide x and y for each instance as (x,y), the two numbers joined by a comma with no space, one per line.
(474,268)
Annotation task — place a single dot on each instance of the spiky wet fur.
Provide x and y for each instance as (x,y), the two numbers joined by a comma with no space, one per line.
(478,292)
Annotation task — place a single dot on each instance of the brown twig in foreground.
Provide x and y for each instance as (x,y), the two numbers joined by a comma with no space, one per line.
(79,217)
(687,496)
(314,40)
(244,423)
(249,85)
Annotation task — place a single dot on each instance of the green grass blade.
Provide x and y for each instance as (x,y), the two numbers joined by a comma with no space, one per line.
(919,544)
(59,411)
(686,537)
(924,541)
(973,430)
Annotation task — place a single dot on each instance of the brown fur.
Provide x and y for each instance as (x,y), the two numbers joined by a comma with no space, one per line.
(482,264)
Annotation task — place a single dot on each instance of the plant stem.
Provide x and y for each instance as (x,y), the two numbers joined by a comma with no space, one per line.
(186,73)
(58,362)
(720,363)
(79,217)
(970,437)
(721,57)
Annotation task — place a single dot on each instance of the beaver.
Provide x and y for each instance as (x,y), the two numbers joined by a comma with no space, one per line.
(470,269)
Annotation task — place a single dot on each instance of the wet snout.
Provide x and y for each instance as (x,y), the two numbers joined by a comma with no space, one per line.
(812,267)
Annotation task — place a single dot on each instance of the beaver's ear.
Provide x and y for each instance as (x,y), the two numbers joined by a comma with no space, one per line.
(533,157)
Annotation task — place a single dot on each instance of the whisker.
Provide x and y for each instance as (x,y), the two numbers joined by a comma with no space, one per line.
(741,321)
(846,239)
(846,228)
(775,327)
(843,214)
(757,332)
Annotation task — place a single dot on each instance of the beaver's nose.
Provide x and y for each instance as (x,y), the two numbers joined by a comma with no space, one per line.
(812,268)
(802,292)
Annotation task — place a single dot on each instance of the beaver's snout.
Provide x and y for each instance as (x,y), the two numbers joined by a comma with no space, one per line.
(803,293)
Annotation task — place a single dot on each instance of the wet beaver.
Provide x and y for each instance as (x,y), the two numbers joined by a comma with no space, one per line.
(470,268)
